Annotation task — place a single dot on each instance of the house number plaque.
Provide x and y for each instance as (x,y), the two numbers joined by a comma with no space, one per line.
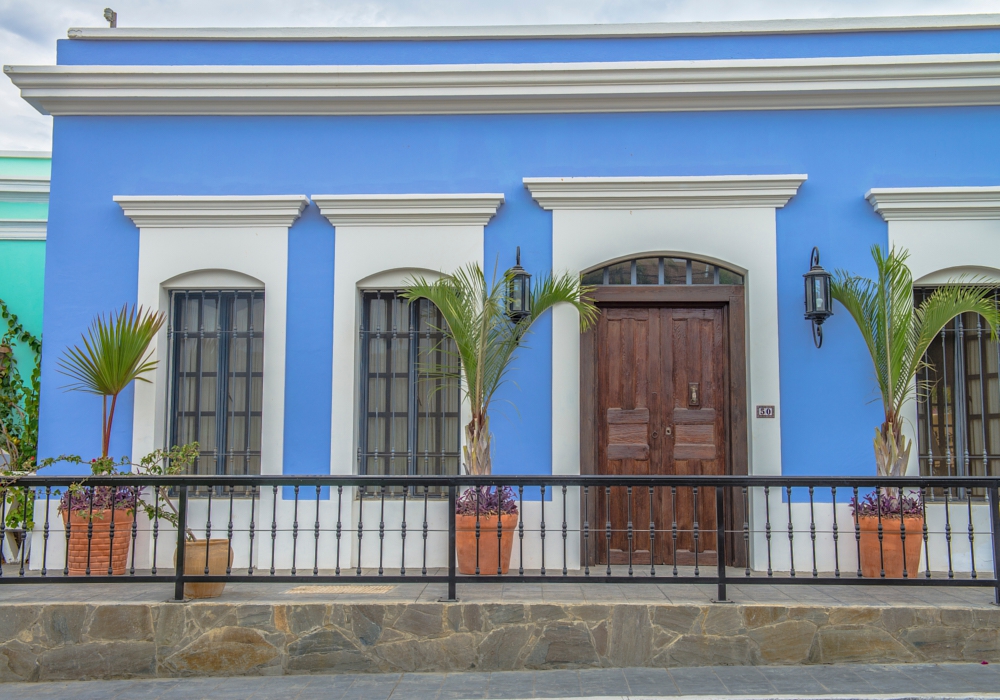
(765,411)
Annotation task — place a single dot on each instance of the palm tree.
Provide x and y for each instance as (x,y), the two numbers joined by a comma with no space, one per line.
(485,339)
(115,353)
(898,334)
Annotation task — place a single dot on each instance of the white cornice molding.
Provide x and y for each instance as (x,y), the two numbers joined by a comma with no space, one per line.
(408,209)
(713,191)
(24,189)
(213,211)
(935,203)
(546,31)
(22,230)
(484,88)
(35,155)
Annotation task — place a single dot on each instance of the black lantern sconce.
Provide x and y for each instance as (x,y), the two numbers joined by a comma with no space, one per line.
(819,303)
(519,291)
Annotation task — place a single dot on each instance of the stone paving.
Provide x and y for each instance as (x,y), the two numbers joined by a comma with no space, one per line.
(856,681)
(556,592)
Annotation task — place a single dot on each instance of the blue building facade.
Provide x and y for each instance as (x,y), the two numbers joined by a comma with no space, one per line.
(319,167)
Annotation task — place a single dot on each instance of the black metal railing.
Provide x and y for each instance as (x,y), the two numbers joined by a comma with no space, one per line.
(583,529)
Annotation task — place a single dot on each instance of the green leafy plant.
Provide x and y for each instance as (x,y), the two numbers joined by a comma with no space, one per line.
(115,353)
(897,335)
(486,339)
(95,501)
(18,413)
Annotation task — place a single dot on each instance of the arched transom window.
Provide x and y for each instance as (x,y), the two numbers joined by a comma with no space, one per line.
(660,271)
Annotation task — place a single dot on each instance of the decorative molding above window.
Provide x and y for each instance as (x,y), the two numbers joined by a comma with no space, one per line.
(22,230)
(762,191)
(408,209)
(935,203)
(213,211)
(24,189)
(515,88)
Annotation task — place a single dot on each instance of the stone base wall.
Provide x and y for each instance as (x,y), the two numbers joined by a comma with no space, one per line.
(80,641)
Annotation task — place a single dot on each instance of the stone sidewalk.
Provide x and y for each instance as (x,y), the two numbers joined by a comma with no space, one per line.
(855,681)
(559,591)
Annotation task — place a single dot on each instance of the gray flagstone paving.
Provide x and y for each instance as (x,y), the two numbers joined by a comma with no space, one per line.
(844,681)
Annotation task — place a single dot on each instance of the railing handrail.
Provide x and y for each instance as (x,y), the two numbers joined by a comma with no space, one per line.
(504,480)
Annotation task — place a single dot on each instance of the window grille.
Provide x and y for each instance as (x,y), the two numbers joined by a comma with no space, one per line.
(959,402)
(216,341)
(409,415)
(661,271)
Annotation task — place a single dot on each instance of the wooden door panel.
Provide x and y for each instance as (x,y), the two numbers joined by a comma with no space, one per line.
(699,435)
(628,434)
(624,366)
(659,402)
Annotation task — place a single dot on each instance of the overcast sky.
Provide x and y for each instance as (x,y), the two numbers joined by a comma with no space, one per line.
(29,28)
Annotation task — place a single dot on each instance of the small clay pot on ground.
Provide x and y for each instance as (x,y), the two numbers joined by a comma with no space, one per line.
(890,555)
(493,551)
(91,544)
(219,559)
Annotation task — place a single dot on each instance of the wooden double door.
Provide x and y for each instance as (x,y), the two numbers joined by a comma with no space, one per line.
(662,403)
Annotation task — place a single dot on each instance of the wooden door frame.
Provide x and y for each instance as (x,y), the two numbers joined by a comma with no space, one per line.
(731,298)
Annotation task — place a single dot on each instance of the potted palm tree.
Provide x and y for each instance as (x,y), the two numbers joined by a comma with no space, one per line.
(114,354)
(485,337)
(897,335)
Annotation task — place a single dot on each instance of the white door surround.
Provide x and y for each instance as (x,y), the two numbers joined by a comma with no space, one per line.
(725,219)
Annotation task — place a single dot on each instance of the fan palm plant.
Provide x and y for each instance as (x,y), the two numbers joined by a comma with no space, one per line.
(115,353)
(486,339)
(898,334)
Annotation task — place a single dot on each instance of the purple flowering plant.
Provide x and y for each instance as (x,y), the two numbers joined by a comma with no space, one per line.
(94,501)
(890,503)
(491,501)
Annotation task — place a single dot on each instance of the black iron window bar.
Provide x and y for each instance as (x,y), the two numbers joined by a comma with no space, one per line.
(409,417)
(661,271)
(731,499)
(216,375)
(959,401)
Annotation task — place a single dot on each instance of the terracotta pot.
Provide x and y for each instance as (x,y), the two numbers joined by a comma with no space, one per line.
(220,558)
(892,546)
(99,544)
(490,554)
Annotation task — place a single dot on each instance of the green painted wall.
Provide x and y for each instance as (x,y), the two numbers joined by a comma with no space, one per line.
(22,262)
(25,165)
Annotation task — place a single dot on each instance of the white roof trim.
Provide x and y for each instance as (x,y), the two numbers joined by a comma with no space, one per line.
(408,209)
(26,154)
(24,189)
(935,203)
(759,191)
(22,230)
(213,211)
(547,31)
(499,88)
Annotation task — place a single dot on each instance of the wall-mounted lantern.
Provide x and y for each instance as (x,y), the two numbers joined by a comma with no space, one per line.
(519,291)
(819,303)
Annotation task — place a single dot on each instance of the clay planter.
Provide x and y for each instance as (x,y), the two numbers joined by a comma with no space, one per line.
(220,558)
(489,556)
(100,545)
(892,546)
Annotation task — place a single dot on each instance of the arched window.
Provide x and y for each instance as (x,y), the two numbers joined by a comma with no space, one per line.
(216,341)
(409,415)
(661,271)
(958,406)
